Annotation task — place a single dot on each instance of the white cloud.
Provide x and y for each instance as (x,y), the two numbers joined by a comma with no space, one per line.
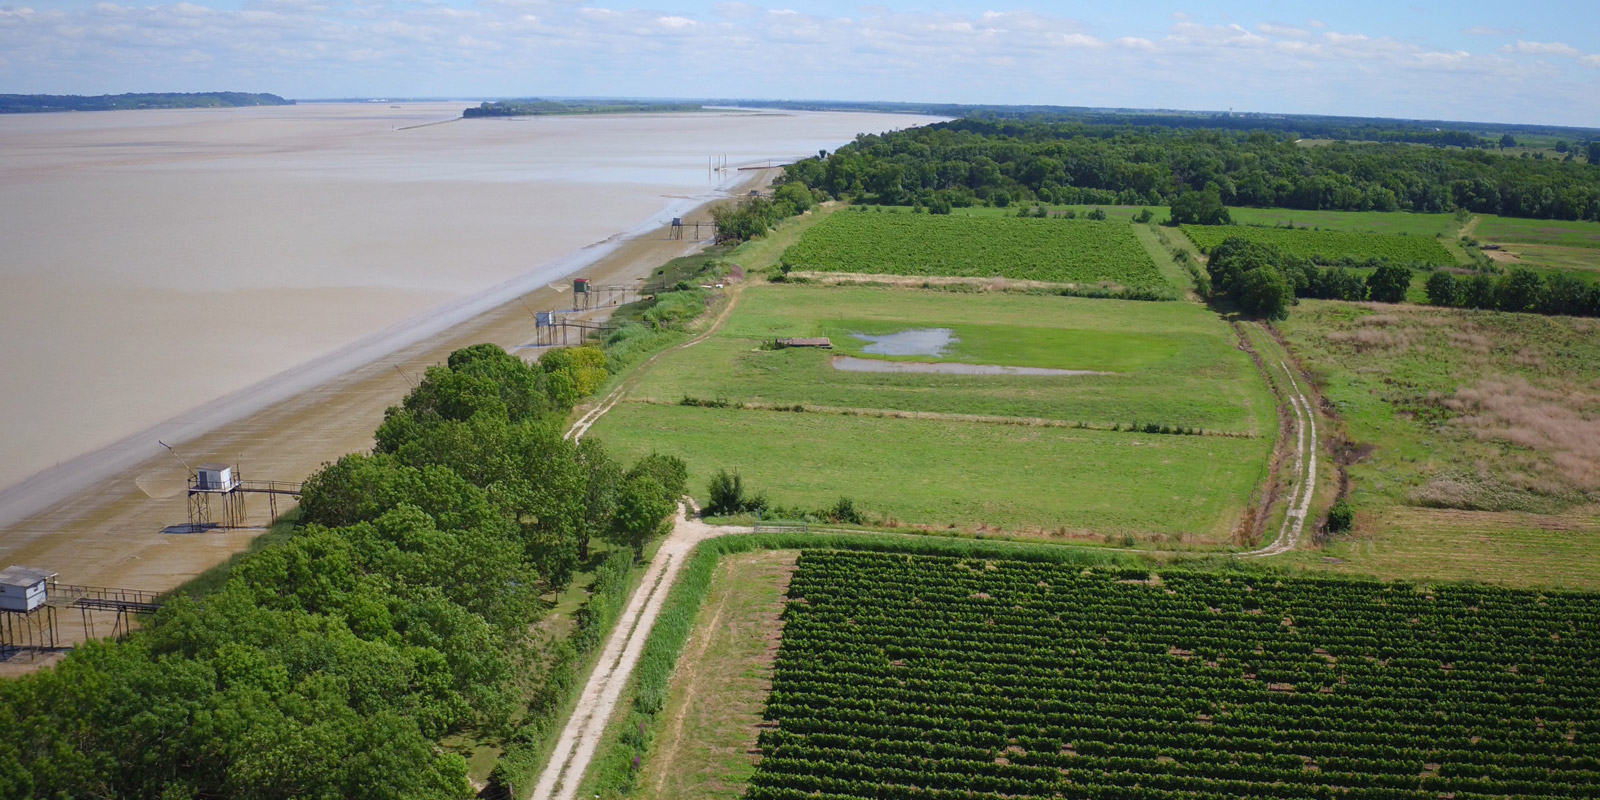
(1081,40)
(320,48)
(1283,31)
(1485,30)
(1542,49)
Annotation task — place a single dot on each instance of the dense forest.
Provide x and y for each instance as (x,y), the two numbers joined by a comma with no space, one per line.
(330,665)
(29,103)
(1035,159)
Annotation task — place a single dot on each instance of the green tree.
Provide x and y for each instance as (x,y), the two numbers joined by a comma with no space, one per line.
(1442,289)
(1264,292)
(1507,142)
(669,471)
(1388,284)
(643,511)
(1479,292)
(1520,290)
(1200,208)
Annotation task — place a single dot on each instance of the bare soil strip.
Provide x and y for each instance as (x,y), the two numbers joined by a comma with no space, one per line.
(1305,472)
(583,731)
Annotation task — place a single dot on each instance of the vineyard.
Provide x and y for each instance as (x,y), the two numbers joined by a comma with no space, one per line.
(1057,251)
(1329,247)
(931,677)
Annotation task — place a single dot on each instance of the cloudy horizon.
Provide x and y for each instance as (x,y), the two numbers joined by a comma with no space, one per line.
(1466,61)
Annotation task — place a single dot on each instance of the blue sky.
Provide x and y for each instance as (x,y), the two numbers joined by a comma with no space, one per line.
(1510,62)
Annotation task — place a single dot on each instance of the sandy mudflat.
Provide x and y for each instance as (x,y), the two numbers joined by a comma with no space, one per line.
(268,337)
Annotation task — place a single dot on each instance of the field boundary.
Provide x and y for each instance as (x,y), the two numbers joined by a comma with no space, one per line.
(943,416)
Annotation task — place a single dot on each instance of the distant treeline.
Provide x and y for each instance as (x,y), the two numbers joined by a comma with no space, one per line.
(996,162)
(537,107)
(1311,126)
(29,103)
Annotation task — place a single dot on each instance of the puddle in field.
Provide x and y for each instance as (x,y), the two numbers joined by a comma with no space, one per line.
(916,342)
(851,364)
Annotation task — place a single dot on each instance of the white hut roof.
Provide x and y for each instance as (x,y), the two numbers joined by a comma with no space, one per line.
(24,576)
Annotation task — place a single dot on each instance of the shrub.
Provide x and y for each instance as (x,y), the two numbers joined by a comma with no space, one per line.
(725,495)
(1341,516)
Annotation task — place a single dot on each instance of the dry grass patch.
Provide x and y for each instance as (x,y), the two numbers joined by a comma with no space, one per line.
(1563,422)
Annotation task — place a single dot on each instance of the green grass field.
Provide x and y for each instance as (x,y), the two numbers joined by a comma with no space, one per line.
(1539,231)
(939,472)
(1467,409)
(1329,247)
(1428,544)
(1544,245)
(1057,251)
(1176,363)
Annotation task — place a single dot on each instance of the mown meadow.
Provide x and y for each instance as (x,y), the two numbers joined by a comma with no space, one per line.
(1050,455)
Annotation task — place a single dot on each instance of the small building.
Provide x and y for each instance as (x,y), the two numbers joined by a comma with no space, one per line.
(24,589)
(580,285)
(214,478)
(820,341)
(544,319)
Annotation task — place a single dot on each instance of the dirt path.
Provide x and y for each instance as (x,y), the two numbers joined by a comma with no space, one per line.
(593,415)
(581,735)
(1305,472)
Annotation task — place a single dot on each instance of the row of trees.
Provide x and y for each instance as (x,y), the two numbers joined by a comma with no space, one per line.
(331,664)
(1263,281)
(1518,290)
(976,161)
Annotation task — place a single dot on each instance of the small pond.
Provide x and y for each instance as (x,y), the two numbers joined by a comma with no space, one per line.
(917,342)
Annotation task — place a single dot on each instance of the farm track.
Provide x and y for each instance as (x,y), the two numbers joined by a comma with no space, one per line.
(581,735)
(1305,471)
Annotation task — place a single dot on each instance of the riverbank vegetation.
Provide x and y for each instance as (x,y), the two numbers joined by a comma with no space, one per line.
(331,664)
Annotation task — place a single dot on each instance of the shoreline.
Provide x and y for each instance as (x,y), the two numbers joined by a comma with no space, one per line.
(53,485)
(106,529)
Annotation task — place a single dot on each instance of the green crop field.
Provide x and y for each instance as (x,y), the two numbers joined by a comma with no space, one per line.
(1175,363)
(991,449)
(1021,479)
(1057,251)
(1329,247)
(1477,410)
(1426,226)
(1539,231)
(919,676)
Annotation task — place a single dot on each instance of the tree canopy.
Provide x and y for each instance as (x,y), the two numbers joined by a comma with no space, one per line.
(1035,159)
(330,665)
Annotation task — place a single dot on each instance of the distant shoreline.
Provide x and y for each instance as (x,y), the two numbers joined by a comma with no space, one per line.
(56,103)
